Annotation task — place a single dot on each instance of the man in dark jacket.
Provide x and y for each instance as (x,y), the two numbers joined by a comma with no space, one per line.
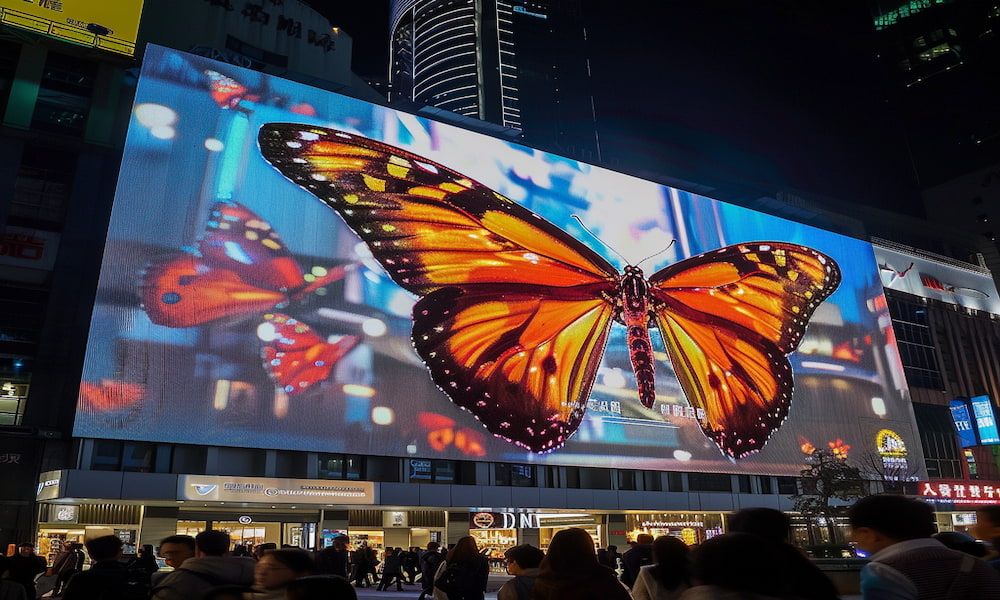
(334,559)
(429,561)
(24,566)
(639,556)
(67,564)
(107,577)
(211,566)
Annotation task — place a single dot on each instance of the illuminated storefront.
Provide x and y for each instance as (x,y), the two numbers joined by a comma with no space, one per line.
(691,528)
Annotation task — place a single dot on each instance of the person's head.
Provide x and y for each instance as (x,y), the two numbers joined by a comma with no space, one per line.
(211,542)
(523,557)
(880,521)
(26,549)
(644,539)
(671,560)
(106,547)
(278,567)
(320,586)
(612,548)
(433,546)
(740,562)
(987,525)
(768,523)
(176,549)
(570,551)
(260,549)
(962,542)
(341,542)
(465,550)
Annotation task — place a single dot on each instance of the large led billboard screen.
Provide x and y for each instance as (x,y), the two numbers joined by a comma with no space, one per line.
(291,268)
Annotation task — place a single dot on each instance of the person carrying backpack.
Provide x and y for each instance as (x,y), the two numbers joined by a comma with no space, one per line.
(463,574)
(107,578)
(429,562)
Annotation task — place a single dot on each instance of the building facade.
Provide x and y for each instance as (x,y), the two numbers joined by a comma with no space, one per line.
(146,429)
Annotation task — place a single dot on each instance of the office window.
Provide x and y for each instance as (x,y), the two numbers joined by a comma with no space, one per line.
(64,95)
(341,466)
(626,480)
(710,482)
(788,486)
(515,475)
(765,484)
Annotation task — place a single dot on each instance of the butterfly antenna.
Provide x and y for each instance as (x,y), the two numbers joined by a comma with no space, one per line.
(603,243)
(654,255)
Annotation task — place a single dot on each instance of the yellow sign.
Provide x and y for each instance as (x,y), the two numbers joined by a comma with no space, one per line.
(108,24)
(890,443)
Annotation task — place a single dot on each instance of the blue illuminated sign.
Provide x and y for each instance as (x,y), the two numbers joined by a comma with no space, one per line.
(986,421)
(963,422)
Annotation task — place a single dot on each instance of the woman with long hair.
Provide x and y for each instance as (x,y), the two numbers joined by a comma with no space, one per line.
(668,576)
(463,574)
(570,571)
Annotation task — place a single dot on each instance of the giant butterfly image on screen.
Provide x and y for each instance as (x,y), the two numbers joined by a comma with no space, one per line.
(514,314)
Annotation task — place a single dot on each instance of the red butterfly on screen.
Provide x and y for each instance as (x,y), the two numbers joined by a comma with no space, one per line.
(514,313)
(295,356)
(442,432)
(110,395)
(240,269)
(226,91)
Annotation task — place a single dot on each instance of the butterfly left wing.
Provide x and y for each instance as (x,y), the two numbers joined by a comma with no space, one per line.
(296,357)
(514,313)
(729,318)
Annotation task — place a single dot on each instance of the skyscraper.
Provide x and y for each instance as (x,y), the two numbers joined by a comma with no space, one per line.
(516,63)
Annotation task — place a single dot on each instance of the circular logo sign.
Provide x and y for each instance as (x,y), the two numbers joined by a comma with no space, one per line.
(890,443)
(245,520)
(483,520)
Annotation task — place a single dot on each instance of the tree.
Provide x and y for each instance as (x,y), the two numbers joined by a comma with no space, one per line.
(827,478)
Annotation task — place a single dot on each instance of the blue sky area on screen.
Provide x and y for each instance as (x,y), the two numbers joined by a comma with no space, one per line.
(225,376)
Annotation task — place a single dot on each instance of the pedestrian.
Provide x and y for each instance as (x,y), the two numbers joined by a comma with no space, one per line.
(639,556)
(68,563)
(315,587)
(174,550)
(360,565)
(392,570)
(107,578)
(736,566)
(987,528)
(335,558)
(408,559)
(24,566)
(905,562)
(570,571)
(805,580)
(670,573)
(276,569)
(522,562)
(429,561)
(211,566)
(463,574)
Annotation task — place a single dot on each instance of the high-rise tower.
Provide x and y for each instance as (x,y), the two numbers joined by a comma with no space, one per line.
(516,63)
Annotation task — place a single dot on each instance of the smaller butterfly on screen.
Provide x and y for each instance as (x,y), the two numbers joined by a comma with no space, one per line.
(226,91)
(443,432)
(118,402)
(240,269)
(514,313)
(837,448)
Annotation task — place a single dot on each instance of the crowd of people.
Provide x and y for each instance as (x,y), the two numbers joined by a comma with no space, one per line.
(754,560)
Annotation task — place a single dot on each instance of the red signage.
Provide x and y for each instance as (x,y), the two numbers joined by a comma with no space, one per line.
(961,492)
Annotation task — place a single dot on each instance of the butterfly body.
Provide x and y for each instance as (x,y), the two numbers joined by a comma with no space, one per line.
(514,314)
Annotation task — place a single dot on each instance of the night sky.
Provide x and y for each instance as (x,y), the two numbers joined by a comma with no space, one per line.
(756,96)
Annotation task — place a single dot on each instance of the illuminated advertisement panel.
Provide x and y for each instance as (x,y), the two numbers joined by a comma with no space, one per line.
(986,421)
(110,25)
(922,276)
(963,422)
(290,268)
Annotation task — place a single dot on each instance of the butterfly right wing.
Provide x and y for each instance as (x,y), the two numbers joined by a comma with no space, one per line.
(514,312)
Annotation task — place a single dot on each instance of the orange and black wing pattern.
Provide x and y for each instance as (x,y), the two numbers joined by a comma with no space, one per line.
(729,318)
(513,315)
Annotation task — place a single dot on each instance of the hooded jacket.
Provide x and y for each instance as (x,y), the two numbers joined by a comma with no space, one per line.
(198,574)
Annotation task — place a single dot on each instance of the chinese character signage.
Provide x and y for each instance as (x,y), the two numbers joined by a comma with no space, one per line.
(960,492)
